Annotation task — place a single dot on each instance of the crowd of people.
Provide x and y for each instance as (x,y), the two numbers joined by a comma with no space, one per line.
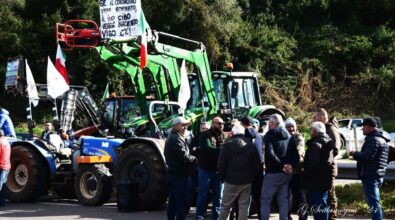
(232,168)
(245,166)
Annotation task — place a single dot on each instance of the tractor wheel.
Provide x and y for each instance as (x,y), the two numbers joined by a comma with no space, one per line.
(29,176)
(143,165)
(93,185)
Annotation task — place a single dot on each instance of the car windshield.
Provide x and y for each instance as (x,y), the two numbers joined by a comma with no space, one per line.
(356,123)
(343,123)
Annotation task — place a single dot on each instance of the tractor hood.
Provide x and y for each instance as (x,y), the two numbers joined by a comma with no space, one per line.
(264,110)
(94,146)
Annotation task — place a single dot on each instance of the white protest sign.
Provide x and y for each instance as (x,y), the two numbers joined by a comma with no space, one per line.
(120,19)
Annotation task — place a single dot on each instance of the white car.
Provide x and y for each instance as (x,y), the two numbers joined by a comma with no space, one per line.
(347,133)
(351,129)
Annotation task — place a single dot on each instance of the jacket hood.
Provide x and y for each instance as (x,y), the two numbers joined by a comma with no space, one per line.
(280,133)
(4,111)
(381,134)
(238,143)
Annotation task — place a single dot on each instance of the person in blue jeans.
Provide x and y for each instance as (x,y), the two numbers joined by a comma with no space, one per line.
(179,162)
(194,149)
(280,159)
(208,177)
(317,173)
(372,163)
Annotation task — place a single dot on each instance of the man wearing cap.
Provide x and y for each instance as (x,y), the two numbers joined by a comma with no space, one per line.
(210,146)
(252,134)
(5,165)
(297,195)
(178,160)
(372,164)
(331,127)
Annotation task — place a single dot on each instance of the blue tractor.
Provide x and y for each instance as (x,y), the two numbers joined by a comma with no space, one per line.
(83,167)
(83,171)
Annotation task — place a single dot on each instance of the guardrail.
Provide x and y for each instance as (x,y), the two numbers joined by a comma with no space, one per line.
(347,169)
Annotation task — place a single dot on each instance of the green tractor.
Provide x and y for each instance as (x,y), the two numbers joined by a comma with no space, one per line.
(229,94)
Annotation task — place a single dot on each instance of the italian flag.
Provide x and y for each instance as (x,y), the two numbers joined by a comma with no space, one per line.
(143,49)
(60,64)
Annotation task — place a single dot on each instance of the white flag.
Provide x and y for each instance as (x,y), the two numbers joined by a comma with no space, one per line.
(31,86)
(185,92)
(56,84)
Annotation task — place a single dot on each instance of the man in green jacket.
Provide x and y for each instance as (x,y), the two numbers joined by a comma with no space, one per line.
(210,146)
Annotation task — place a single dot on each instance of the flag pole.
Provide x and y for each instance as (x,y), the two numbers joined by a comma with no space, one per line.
(30,118)
(56,117)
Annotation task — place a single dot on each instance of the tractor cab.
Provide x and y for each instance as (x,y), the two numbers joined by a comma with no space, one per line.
(236,93)
(123,116)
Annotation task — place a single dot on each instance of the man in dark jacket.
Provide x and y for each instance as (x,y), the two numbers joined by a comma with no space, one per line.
(48,130)
(280,158)
(210,146)
(331,127)
(252,134)
(179,161)
(238,164)
(194,149)
(6,123)
(317,173)
(372,163)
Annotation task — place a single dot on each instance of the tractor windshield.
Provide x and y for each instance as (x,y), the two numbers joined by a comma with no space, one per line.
(129,110)
(220,91)
(241,91)
(196,95)
(245,95)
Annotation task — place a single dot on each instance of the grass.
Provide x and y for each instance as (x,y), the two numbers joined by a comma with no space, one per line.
(351,197)
(22,128)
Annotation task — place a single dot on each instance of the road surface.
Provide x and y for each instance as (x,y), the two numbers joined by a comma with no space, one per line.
(51,208)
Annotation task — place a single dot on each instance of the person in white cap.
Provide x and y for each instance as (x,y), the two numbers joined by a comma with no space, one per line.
(179,161)
(297,195)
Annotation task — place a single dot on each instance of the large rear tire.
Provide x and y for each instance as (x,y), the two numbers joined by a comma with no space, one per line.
(29,176)
(93,185)
(142,164)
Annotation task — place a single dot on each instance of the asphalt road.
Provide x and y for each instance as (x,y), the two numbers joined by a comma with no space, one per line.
(52,208)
